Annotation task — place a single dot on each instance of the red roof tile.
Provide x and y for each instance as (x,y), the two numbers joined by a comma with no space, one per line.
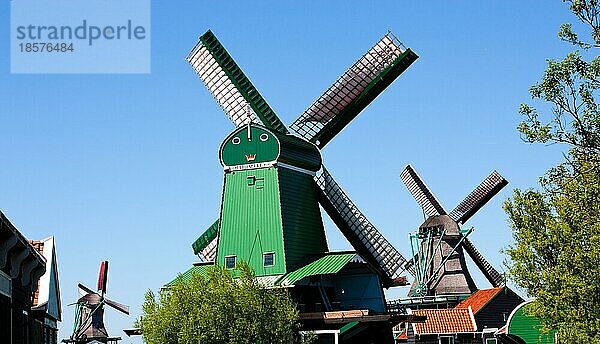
(479,299)
(451,320)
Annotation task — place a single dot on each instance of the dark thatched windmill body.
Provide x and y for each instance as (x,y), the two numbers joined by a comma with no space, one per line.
(89,313)
(438,262)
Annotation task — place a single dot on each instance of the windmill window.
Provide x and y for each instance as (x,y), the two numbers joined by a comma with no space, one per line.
(269,259)
(263,137)
(446,340)
(230,262)
(258,183)
(236,140)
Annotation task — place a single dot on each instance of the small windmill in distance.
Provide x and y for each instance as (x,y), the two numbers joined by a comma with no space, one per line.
(438,262)
(89,313)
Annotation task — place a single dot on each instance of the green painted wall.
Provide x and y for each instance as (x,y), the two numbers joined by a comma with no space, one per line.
(304,235)
(271,210)
(251,220)
(528,328)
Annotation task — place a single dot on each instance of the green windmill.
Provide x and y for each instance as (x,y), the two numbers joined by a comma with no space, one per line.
(275,183)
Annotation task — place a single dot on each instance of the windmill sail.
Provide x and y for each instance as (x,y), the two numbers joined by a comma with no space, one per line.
(479,197)
(490,273)
(118,306)
(206,244)
(83,290)
(209,253)
(354,91)
(417,187)
(360,232)
(103,277)
(234,92)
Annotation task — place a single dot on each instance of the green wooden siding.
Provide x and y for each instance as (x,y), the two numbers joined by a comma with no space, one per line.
(528,328)
(270,209)
(251,220)
(303,232)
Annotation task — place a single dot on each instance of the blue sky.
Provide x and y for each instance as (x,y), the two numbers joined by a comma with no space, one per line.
(125,167)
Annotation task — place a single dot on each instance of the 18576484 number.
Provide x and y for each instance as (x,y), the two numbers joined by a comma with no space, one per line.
(46,47)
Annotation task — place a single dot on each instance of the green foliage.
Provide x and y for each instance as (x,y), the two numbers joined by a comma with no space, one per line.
(219,308)
(556,254)
(570,87)
(587,12)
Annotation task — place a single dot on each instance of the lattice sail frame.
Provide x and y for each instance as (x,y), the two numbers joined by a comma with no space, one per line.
(489,187)
(232,89)
(220,86)
(209,253)
(421,192)
(348,87)
(363,235)
(492,275)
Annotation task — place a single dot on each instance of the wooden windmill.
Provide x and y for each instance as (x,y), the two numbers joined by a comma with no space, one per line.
(89,312)
(274,177)
(438,262)
(275,184)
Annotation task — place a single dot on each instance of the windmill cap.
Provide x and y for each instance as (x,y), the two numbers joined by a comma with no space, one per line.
(253,145)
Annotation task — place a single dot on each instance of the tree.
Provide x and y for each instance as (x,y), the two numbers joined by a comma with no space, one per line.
(556,253)
(219,308)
